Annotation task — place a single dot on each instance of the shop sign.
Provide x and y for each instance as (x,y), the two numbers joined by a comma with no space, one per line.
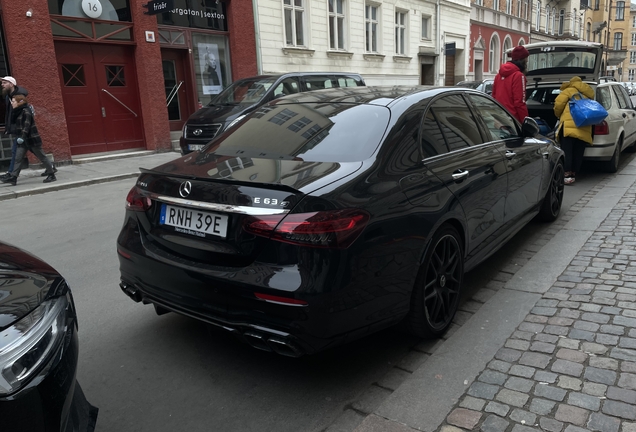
(206,14)
(158,6)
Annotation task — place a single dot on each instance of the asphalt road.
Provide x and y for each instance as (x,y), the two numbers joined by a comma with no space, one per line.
(169,373)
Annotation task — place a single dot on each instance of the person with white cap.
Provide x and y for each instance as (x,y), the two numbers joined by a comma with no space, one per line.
(9,89)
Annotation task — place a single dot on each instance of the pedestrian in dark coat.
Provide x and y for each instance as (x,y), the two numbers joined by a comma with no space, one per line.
(27,139)
(10,89)
(509,87)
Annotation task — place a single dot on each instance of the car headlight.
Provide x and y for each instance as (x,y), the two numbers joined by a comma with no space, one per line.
(236,120)
(28,344)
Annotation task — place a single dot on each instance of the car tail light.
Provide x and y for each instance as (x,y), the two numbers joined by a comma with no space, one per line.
(601,129)
(325,229)
(135,201)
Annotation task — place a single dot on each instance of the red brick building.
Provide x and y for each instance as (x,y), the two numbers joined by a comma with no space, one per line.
(104,76)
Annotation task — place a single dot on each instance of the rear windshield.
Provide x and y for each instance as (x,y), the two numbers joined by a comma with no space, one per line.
(320,132)
(562,60)
(247,91)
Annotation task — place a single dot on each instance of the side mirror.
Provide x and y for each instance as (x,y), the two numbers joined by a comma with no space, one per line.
(530,127)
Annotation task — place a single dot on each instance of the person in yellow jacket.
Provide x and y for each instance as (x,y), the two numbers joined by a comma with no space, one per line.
(571,138)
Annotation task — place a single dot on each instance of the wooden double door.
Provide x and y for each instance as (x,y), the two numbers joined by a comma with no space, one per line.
(101,99)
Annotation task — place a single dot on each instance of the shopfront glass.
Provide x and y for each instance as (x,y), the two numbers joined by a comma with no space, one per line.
(211,65)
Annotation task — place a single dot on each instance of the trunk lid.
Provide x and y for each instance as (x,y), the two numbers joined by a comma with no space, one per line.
(556,62)
(200,204)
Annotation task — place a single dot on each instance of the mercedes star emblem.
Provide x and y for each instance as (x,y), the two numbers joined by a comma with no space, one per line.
(197,132)
(185,189)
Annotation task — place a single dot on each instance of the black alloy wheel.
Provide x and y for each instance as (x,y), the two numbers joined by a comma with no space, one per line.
(554,196)
(437,288)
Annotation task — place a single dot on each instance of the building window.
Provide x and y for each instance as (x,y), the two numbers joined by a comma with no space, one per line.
(495,5)
(336,25)
(547,20)
(632,57)
(294,22)
(479,2)
(525,9)
(493,54)
(618,41)
(371,28)
(509,7)
(553,24)
(538,20)
(518,11)
(506,47)
(400,33)
(596,4)
(633,39)
(620,10)
(561,21)
(634,21)
(588,31)
(631,74)
(426,27)
(576,22)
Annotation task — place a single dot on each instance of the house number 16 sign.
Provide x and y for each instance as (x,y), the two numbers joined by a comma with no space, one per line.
(92,8)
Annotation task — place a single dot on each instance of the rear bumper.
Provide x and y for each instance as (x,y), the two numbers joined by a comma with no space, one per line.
(54,400)
(335,311)
(599,152)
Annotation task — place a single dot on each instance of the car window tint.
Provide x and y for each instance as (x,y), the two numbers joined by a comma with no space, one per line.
(456,122)
(499,122)
(433,142)
(604,97)
(319,82)
(317,132)
(621,96)
(286,87)
(348,82)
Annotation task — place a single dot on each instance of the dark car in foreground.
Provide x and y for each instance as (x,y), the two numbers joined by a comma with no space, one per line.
(245,95)
(329,215)
(38,349)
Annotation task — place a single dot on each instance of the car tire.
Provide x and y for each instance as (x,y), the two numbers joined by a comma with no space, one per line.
(436,294)
(551,206)
(611,165)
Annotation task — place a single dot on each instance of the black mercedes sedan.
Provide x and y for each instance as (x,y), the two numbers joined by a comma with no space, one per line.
(326,216)
(38,349)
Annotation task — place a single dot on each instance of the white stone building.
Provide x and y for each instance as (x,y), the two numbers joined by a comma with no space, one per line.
(387,42)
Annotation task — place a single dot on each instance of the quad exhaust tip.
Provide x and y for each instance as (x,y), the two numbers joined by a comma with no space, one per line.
(131,291)
(278,345)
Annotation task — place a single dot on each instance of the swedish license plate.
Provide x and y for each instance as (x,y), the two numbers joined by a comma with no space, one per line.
(193,222)
(194,147)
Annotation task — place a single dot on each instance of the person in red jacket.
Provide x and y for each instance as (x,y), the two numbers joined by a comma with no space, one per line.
(509,88)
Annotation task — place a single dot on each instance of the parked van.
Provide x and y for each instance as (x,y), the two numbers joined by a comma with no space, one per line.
(245,95)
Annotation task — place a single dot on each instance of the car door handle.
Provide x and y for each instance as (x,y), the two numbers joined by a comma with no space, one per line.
(460,175)
(510,154)
(624,115)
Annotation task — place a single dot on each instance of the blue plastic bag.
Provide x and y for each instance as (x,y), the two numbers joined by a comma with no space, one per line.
(586,112)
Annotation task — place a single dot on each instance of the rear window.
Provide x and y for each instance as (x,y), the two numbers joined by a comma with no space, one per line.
(247,91)
(313,132)
(562,60)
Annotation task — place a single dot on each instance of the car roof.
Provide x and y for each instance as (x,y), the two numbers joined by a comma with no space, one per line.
(564,43)
(288,74)
(373,95)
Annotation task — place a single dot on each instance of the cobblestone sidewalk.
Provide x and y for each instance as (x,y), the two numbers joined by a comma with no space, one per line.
(571,364)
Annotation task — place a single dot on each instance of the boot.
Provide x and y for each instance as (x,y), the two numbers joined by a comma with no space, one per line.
(11,180)
(5,175)
(45,174)
(50,178)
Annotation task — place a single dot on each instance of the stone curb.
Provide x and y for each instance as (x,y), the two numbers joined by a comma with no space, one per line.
(68,185)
